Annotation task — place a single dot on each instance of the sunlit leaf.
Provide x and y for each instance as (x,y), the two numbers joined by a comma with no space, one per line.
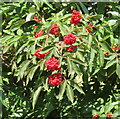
(70,93)
(62,89)
(35,96)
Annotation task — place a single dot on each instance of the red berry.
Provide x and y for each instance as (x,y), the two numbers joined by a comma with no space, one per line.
(87,29)
(54,29)
(69,39)
(71,48)
(38,55)
(35,27)
(106,54)
(55,79)
(115,47)
(35,17)
(38,20)
(52,64)
(76,17)
(109,116)
(38,33)
(95,116)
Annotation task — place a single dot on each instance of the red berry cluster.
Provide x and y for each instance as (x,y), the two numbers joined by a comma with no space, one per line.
(109,116)
(71,48)
(54,29)
(116,47)
(35,27)
(38,33)
(95,116)
(37,19)
(55,79)
(89,30)
(38,55)
(69,39)
(107,54)
(52,64)
(76,17)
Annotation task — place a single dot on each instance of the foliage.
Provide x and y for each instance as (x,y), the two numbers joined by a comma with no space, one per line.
(91,73)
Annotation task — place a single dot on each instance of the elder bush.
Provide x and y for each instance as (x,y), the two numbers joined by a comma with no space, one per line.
(61,63)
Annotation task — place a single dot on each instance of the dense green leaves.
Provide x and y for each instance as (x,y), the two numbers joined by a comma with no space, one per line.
(23,68)
(90,67)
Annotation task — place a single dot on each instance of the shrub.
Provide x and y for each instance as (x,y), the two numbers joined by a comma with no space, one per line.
(61,63)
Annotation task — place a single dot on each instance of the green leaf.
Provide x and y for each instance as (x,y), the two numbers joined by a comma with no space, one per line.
(45,84)
(94,112)
(30,16)
(23,46)
(19,32)
(8,32)
(110,63)
(6,38)
(108,107)
(5,49)
(117,112)
(35,96)
(17,25)
(32,9)
(106,47)
(110,57)
(90,40)
(60,61)
(70,93)
(14,66)
(112,22)
(12,21)
(23,67)
(78,88)
(80,56)
(96,71)
(42,64)
(69,65)
(76,68)
(101,57)
(47,3)
(85,10)
(79,61)
(31,73)
(101,7)
(55,52)
(92,56)
(46,49)
(62,29)
(114,13)
(66,16)
(48,109)
(34,61)
(19,58)
(118,68)
(49,55)
(62,90)
(105,38)
(37,4)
